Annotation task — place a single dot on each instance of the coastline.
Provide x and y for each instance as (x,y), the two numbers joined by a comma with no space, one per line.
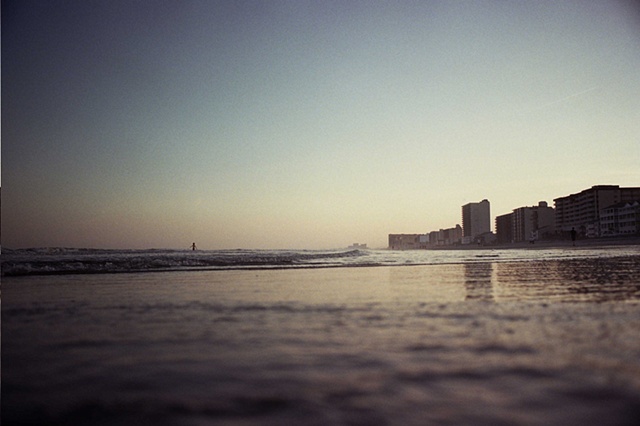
(551,343)
(589,243)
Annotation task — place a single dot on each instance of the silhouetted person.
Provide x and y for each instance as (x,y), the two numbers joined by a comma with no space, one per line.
(573,236)
(193,246)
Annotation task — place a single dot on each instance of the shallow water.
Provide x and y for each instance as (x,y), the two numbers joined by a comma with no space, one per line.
(534,342)
(54,261)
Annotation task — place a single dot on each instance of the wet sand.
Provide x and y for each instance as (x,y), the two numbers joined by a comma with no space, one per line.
(525,343)
(586,243)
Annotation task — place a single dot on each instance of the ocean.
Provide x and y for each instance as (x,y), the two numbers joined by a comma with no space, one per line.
(340,337)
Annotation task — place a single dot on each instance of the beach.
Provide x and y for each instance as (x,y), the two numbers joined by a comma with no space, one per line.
(535,342)
(541,244)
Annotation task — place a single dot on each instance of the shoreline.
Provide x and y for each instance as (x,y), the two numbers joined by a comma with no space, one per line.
(547,244)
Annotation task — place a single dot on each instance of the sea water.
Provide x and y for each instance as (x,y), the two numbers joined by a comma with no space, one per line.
(524,337)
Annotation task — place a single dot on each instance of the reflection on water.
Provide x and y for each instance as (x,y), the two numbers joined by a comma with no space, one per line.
(597,280)
(478,281)
(560,280)
(408,345)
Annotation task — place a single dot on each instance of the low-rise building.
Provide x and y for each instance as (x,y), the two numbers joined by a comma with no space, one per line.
(357,246)
(620,219)
(408,241)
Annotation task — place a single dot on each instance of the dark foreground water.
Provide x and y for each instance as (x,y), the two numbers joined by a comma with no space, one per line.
(549,341)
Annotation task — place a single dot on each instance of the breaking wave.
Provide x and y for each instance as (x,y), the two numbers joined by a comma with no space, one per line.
(52,261)
(47,261)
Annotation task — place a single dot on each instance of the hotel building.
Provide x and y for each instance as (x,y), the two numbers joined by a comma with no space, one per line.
(581,211)
(504,228)
(476,220)
(526,224)
(620,219)
(446,237)
(531,223)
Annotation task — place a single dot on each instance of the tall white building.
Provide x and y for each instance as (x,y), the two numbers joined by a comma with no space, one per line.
(476,220)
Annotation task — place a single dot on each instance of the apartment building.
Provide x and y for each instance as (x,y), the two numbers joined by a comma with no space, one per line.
(504,228)
(476,220)
(532,223)
(581,211)
(526,224)
(620,219)
(450,236)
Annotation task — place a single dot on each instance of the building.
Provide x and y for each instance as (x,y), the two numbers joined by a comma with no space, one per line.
(476,220)
(581,211)
(357,246)
(504,228)
(433,237)
(545,220)
(620,219)
(629,218)
(522,224)
(408,241)
(532,223)
(450,236)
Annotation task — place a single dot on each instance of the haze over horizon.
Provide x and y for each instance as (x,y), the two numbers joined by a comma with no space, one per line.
(301,124)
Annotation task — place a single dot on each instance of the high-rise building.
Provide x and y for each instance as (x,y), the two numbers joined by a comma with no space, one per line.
(450,236)
(581,211)
(531,223)
(476,220)
(504,228)
(526,224)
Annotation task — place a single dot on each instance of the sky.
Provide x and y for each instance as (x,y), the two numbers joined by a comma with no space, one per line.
(305,124)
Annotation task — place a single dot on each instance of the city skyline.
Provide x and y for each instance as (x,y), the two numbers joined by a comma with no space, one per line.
(597,211)
(303,124)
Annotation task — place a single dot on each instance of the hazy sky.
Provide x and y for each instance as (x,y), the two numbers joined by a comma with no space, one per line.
(272,124)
